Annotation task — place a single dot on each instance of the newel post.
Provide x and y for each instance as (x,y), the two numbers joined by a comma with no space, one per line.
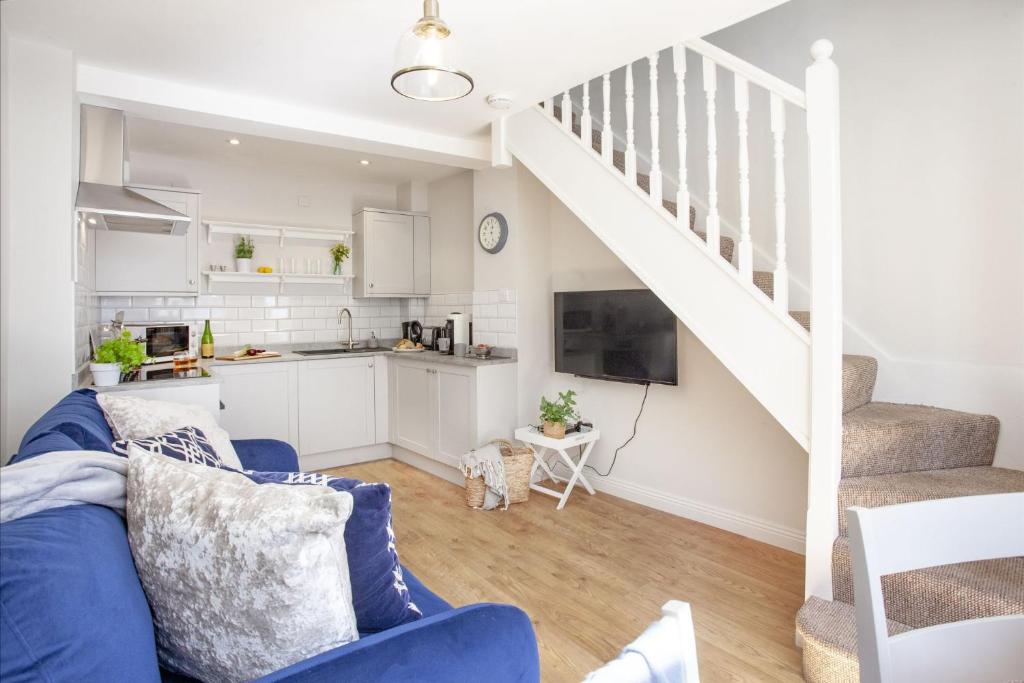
(826,438)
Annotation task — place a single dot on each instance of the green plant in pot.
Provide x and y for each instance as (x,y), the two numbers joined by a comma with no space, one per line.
(558,414)
(117,358)
(339,252)
(244,249)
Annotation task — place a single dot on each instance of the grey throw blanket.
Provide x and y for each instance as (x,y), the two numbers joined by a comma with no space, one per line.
(63,478)
(487,462)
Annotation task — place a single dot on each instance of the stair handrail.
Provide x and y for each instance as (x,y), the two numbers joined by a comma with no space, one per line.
(731,62)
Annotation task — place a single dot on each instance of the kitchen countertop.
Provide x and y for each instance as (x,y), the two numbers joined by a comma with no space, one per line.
(288,355)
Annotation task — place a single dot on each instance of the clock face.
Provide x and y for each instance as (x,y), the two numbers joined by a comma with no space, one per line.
(493,232)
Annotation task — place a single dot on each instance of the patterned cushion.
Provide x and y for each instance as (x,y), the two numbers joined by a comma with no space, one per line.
(242,579)
(189,445)
(379,594)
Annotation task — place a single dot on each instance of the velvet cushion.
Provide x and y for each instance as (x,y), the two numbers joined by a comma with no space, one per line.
(379,593)
(71,606)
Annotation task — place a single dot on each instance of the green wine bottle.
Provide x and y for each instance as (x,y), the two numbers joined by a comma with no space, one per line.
(206,347)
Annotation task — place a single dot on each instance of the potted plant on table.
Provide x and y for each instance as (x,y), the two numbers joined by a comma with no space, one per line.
(339,252)
(116,358)
(557,414)
(244,249)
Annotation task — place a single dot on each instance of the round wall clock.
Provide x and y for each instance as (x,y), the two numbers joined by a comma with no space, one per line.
(493,232)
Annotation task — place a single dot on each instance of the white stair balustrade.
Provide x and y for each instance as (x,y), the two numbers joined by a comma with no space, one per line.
(713,222)
(655,175)
(780,277)
(746,249)
(796,375)
(682,191)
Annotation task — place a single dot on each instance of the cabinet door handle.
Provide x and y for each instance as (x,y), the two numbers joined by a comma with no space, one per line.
(369,365)
(371,285)
(191,282)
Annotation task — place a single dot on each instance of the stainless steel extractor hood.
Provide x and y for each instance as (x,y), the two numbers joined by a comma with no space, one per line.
(103,201)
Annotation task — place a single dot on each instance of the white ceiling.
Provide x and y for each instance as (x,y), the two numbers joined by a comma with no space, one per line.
(336,55)
(209,145)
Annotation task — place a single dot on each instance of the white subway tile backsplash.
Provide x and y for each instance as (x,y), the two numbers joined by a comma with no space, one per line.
(217,327)
(303,336)
(324,312)
(196,313)
(507,340)
(278,313)
(115,301)
(180,301)
(252,337)
(314,301)
(251,313)
(147,301)
(277,338)
(225,339)
(223,313)
(301,312)
(264,301)
(487,311)
(264,325)
(326,335)
(338,301)
(489,338)
(238,326)
(164,314)
(313,324)
(506,310)
(237,300)
(289,300)
(289,324)
(210,300)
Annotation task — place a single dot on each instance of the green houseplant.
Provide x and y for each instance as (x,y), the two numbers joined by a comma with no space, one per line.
(116,358)
(244,249)
(557,414)
(339,252)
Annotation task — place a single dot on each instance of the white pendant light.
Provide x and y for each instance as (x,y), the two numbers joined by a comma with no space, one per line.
(426,61)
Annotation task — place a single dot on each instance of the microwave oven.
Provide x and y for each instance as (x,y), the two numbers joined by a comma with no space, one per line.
(164,339)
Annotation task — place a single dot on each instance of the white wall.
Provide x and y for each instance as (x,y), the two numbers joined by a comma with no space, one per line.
(40,144)
(451,231)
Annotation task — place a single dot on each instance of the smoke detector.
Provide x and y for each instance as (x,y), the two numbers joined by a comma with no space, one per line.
(499,101)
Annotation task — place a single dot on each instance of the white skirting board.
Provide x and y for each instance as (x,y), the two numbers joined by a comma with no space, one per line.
(744,525)
(428,465)
(350,456)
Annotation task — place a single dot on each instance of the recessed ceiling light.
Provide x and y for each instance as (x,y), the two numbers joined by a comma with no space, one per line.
(92,221)
(364,162)
(234,141)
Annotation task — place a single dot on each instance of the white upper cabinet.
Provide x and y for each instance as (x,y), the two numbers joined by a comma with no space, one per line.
(391,254)
(144,263)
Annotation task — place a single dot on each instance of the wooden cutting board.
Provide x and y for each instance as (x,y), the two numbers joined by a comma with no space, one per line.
(265,354)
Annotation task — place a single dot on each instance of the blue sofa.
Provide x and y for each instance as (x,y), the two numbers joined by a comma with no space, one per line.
(72,607)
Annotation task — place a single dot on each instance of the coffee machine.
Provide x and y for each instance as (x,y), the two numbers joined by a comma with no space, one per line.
(458,331)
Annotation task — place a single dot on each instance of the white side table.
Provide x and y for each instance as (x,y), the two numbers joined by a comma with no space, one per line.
(543,444)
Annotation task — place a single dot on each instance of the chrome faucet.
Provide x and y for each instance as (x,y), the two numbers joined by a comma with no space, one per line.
(351,344)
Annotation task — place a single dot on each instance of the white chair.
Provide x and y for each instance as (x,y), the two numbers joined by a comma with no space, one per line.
(666,652)
(899,538)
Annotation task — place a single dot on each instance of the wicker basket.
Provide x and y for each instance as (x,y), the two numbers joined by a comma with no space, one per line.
(518,462)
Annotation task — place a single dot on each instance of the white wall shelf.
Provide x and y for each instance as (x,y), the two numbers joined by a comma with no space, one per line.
(278,232)
(281,279)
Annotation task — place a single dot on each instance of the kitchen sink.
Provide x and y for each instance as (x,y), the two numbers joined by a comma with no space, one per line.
(326,352)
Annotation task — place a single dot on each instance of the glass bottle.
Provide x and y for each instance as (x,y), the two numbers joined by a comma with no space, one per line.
(206,345)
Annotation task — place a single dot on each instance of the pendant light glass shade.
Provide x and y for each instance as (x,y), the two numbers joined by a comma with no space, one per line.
(426,61)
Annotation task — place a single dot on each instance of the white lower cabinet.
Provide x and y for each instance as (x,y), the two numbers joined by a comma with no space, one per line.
(261,401)
(442,411)
(336,404)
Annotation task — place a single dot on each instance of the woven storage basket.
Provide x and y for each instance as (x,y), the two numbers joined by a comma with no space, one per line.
(518,461)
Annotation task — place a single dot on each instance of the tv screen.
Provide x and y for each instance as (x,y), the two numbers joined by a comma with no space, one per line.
(626,335)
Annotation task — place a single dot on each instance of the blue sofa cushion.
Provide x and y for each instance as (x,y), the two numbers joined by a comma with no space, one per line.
(71,605)
(266,455)
(379,593)
(77,416)
(188,444)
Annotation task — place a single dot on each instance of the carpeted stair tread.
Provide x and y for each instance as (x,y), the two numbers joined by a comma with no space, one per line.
(765,281)
(829,633)
(940,595)
(859,375)
(910,487)
(802,317)
(884,438)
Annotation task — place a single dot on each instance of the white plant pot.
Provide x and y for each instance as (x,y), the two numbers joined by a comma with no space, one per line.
(242,264)
(105,374)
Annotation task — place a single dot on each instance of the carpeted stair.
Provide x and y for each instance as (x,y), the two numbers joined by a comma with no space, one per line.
(895,453)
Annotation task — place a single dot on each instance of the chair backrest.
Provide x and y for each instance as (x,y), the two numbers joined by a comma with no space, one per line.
(899,538)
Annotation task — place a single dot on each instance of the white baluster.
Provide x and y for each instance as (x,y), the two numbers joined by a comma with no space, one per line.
(585,122)
(630,146)
(682,192)
(606,128)
(746,252)
(549,106)
(566,111)
(655,178)
(780,279)
(713,227)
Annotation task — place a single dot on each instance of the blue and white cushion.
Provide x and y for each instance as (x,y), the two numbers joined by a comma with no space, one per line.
(188,444)
(379,594)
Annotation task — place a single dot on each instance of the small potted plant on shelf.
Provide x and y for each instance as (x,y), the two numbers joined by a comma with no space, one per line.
(116,358)
(339,252)
(243,254)
(557,414)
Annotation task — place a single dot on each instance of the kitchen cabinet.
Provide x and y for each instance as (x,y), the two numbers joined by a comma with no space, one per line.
(261,401)
(148,263)
(390,253)
(442,411)
(336,404)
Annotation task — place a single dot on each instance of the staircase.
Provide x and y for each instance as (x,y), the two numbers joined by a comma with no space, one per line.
(860,452)
(896,453)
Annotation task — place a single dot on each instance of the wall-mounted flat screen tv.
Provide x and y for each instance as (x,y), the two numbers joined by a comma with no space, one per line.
(625,335)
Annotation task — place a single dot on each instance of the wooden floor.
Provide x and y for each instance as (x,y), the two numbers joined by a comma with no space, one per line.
(593,575)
